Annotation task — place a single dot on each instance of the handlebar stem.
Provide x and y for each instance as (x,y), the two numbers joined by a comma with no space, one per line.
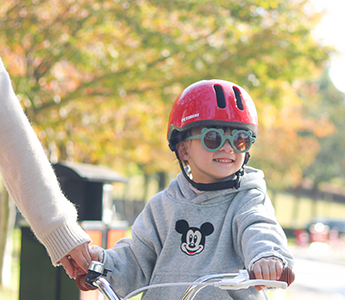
(196,288)
(105,288)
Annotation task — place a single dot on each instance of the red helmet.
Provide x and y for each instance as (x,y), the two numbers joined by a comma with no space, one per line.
(212,103)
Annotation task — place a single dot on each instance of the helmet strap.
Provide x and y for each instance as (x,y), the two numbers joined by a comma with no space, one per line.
(228,184)
(246,159)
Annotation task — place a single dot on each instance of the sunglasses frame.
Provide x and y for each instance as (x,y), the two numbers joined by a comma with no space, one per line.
(224,138)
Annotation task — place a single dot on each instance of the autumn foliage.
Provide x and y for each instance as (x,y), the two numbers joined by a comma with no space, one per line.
(98,78)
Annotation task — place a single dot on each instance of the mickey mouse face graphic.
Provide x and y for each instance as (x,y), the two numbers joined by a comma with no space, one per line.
(193,239)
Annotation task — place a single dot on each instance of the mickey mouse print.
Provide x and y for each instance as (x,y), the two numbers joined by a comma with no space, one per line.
(193,239)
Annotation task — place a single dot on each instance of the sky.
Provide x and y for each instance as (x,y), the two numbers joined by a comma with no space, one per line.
(332,31)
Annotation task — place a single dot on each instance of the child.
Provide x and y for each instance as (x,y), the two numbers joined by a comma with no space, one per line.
(215,217)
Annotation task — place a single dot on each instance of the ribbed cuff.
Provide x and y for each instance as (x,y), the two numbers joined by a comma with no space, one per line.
(63,240)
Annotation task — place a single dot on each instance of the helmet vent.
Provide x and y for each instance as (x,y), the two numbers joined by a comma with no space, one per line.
(238,97)
(220,96)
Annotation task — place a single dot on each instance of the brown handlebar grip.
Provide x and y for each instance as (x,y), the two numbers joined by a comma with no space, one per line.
(81,284)
(288,276)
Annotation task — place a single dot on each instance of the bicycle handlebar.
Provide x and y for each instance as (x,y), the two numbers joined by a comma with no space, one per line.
(243,279)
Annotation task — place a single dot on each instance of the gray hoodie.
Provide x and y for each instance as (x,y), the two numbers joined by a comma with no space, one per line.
(183,234)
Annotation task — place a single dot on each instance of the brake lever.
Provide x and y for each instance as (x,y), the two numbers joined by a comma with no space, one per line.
(243,281)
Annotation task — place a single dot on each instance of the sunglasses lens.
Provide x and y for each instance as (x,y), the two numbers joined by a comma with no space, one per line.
(212,139)
(241,141)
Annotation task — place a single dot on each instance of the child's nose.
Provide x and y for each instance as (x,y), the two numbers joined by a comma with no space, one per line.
(227,146)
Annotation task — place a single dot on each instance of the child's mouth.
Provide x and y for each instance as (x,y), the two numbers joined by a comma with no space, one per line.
(222,160)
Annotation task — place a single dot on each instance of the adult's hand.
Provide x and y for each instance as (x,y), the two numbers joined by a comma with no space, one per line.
(77,261)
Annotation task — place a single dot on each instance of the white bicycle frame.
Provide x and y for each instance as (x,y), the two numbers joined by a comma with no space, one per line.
(227,281)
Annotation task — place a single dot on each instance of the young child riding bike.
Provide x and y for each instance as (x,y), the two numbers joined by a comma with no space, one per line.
(215,217)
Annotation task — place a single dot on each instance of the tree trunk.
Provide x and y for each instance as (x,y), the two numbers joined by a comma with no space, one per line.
(296,204)
(146,187)
(315,196)
(7,219)
(162,178)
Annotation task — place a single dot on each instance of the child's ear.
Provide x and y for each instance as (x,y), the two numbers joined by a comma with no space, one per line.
(182,150)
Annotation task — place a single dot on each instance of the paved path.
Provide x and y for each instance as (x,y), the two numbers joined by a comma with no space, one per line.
(320,275)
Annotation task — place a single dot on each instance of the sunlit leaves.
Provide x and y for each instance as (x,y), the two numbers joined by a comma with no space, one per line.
(98,78)
(287,144)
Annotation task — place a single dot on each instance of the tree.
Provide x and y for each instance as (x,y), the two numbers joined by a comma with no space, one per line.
(330,160)
(329,163)
(94,72)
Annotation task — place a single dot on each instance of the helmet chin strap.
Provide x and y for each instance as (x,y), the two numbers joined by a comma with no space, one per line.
(228,184)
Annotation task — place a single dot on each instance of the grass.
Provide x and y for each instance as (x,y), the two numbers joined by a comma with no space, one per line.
(284,207)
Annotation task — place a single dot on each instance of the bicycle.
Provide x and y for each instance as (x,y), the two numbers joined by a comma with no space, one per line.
(95,279)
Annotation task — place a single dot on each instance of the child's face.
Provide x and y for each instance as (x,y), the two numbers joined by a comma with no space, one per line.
(208,166)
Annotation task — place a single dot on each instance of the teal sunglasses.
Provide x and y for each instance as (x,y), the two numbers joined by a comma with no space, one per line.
(213,139)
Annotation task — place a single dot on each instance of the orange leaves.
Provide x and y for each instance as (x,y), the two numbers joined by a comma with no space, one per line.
(287,143)
(103,75)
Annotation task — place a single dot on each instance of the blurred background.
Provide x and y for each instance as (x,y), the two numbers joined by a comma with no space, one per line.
(97,79)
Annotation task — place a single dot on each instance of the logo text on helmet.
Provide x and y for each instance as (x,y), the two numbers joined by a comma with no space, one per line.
(189,117)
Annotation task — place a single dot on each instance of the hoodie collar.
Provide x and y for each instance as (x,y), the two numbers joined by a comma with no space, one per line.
(252,178)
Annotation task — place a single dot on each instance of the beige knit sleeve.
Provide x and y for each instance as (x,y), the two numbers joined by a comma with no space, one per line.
(31,181)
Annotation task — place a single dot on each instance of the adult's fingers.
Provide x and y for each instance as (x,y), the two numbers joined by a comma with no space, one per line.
(81,256)
(69,268)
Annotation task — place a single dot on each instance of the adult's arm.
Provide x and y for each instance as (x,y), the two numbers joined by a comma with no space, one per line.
(31,181)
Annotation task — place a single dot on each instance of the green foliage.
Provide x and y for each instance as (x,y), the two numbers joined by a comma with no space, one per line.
(329,164)
(98,78)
